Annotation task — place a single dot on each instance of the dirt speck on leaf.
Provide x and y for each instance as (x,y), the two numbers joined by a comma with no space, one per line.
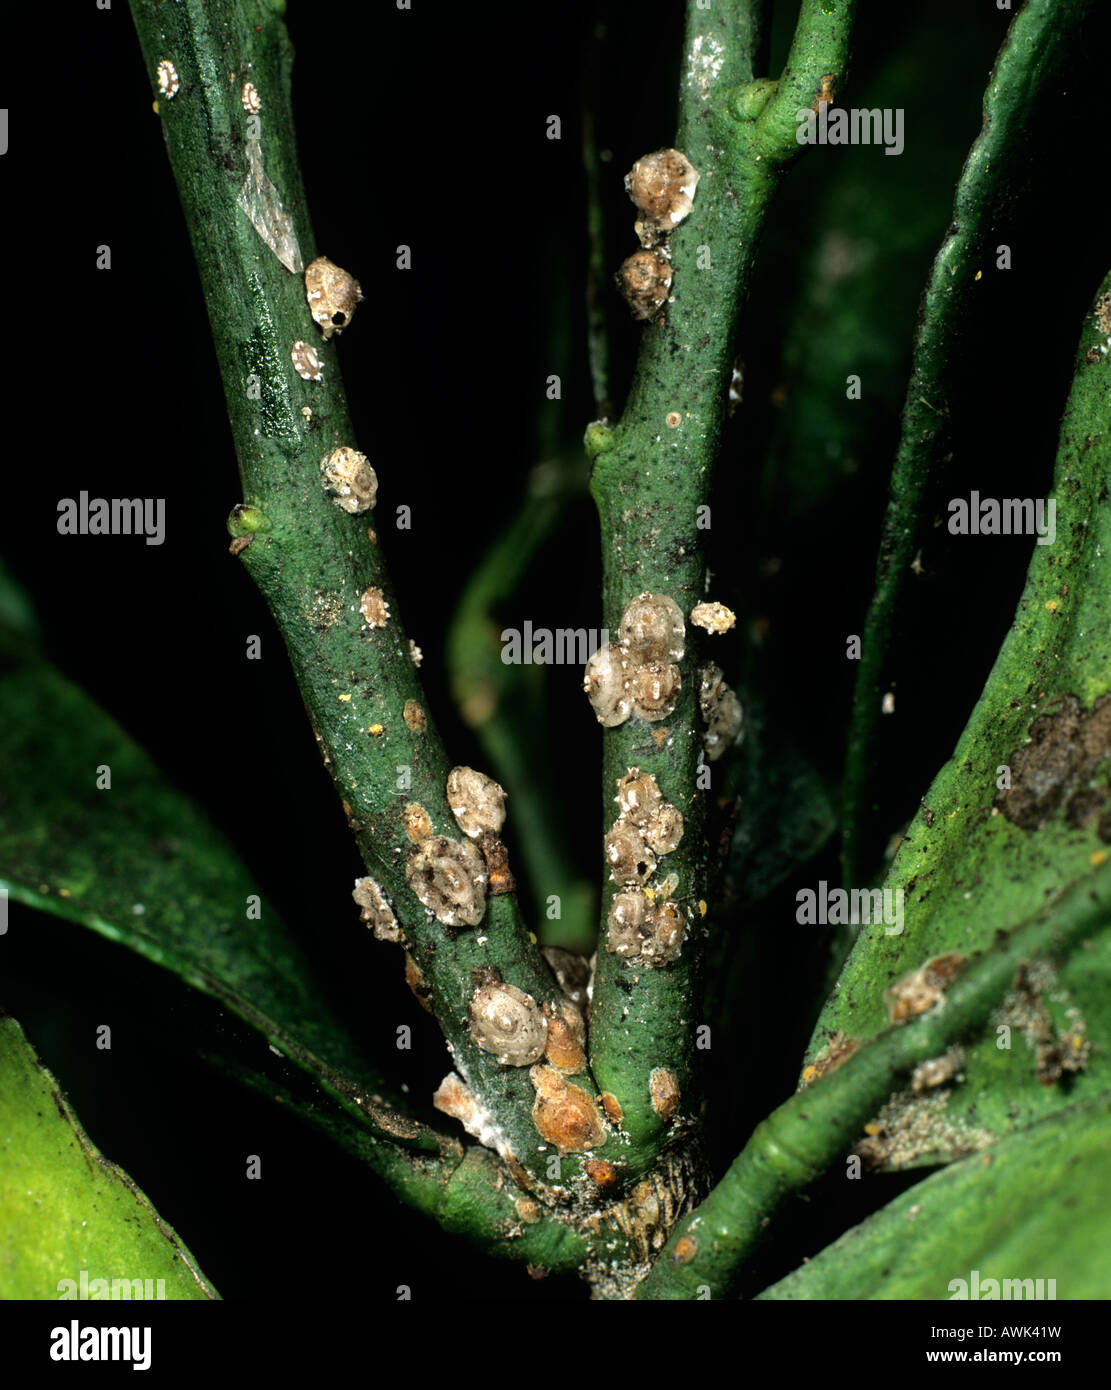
(910,1129)
(1054,768)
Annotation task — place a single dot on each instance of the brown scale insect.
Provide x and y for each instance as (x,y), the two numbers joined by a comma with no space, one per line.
(565,1115)
(376,911)
(644,281)
(499,879)
(629,858)
(332,295)
(662,186)
(508,1023)
(477,802)
(449,878)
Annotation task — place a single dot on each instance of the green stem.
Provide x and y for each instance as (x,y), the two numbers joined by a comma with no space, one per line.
(798,1142)
(311,560)
(597,336)
(466,1191)
(650,485)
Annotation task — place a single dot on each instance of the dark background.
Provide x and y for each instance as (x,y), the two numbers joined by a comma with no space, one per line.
(427,127)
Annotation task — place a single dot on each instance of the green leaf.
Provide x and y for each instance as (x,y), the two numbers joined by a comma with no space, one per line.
(801,1138)
(139,863)
(64,1208)
(977,858)
(979,1215)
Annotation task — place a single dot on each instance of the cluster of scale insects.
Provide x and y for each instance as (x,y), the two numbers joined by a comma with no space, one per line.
(453,878)
(662,187)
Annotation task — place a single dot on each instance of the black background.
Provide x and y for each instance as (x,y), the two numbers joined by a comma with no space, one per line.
(428,127)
